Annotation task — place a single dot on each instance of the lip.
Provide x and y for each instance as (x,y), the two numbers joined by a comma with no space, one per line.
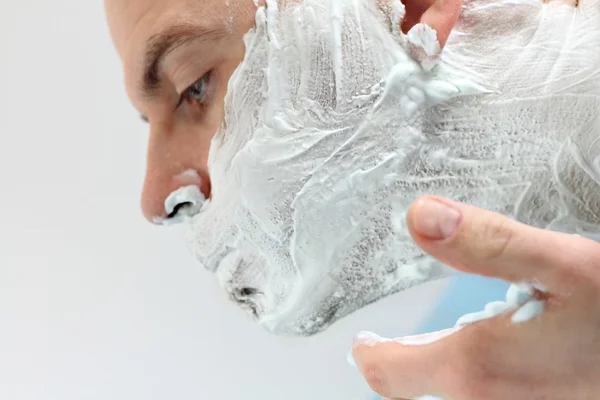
(234,273)
(247,299)
(246,296)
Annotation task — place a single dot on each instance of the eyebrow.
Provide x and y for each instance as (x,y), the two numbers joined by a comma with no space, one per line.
(165,42)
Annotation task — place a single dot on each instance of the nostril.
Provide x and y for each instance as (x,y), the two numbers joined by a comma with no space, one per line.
(182,205)
(188,197)
(178,207)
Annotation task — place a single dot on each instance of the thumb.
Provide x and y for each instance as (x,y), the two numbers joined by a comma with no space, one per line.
(486,243)
(405,367)
(442,16)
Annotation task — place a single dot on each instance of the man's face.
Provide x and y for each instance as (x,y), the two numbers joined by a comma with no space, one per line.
(295,267)
(178,56)
(310,131)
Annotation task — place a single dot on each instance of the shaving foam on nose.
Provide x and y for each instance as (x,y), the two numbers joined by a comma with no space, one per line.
(181,205)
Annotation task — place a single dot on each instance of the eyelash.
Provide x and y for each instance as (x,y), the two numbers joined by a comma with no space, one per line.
(198,92)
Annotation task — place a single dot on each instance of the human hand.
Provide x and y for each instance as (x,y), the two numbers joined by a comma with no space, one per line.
(555,355)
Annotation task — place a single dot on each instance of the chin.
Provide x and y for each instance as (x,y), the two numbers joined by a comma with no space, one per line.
(303,325)
(296,297)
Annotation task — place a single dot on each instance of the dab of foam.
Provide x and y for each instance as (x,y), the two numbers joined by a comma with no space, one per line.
(182,205)
(189,176)
(425,46)
(519,297)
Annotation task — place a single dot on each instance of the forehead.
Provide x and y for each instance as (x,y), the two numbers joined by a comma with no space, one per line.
(138,19)
(133,23)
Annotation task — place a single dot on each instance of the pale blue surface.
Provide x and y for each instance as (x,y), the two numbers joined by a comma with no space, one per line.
(465,294)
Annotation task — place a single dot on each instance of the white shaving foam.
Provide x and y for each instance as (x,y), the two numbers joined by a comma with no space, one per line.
(425,46)
(189,198)
(332,130)
(189,176)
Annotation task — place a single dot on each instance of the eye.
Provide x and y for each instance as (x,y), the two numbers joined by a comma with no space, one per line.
(198,92)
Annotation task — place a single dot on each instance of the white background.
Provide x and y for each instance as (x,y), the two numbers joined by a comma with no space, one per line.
(94,302)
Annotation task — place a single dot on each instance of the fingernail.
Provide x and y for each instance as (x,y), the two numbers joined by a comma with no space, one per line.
(435,220)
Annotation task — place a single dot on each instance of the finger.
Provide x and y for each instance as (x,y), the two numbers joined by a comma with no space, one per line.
(400,368)
(414,11)
(486,243)
(442,16)
(395,371)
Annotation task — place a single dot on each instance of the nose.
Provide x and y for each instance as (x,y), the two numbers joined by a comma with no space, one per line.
(168,200)
(177,181)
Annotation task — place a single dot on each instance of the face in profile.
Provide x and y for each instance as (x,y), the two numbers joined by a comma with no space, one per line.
(295,136)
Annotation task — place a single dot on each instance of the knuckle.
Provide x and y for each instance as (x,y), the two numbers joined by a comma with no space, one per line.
(493,240)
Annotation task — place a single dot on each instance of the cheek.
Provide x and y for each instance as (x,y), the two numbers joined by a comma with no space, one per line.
(221,80)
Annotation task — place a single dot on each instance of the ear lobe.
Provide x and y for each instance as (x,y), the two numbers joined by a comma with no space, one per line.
(440,15)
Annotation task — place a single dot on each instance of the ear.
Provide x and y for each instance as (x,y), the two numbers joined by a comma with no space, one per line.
(440,15)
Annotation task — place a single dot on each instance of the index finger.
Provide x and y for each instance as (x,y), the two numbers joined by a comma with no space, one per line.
(490,244)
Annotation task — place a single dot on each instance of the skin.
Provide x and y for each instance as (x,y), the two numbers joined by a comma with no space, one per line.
(557,354)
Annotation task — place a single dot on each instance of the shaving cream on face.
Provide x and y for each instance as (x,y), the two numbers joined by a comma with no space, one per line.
(332,130)
(189,176)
